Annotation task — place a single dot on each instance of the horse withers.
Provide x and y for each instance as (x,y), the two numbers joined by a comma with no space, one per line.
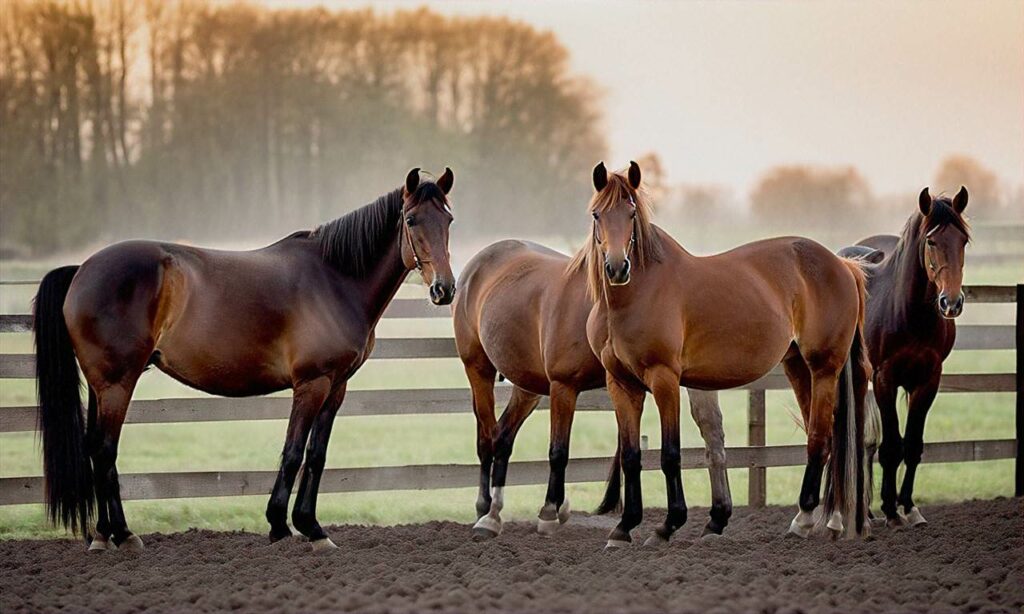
(664,317)
(521,311)
(298,314)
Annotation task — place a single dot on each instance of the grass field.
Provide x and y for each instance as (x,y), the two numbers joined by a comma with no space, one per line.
(370,441)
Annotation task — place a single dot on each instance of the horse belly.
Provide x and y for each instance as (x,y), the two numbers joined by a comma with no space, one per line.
(734,358)
(514,350)
(221,373)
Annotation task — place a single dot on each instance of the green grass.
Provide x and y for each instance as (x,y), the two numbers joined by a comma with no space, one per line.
(395,440)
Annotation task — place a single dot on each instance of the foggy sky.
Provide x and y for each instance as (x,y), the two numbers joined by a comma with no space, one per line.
(724,90)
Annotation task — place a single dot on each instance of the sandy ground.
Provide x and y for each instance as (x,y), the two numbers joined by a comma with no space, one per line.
(970,558)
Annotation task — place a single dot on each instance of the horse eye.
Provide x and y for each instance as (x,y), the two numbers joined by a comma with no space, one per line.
(594,214)
(930,243)
(411,221)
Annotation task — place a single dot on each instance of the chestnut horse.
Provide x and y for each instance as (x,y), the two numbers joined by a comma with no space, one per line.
(664,318)
(520,313)
(914,294)
(297,314)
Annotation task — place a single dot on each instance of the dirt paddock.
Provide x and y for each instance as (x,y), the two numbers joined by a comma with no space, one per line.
(969,558)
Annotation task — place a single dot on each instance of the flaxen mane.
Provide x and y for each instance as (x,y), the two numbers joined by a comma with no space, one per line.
(647,247)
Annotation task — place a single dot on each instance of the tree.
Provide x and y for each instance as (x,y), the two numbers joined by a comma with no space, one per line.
(817,195)
(982,184)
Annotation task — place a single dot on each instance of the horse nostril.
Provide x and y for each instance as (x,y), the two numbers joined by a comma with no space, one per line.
(943,302)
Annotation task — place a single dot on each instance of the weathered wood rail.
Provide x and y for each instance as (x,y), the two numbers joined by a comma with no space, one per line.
(756,456)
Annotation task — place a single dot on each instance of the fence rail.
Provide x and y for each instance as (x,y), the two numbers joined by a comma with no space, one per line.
(756,457)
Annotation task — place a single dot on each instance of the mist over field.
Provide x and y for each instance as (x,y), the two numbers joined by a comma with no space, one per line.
(233,124)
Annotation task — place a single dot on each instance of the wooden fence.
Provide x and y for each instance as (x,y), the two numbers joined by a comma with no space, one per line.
(756,456)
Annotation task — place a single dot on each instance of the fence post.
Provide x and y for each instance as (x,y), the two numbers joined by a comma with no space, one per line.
(756,487)
(1019,487)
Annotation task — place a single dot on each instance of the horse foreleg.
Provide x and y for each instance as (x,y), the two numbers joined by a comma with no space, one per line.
(921,399)
(628,401)
(481,382)
(555,511)
(664,384)
(708,415)
(304,512)
(307,399)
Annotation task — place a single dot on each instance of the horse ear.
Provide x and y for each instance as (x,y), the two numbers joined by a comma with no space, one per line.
(446,181)
(600,176)
(924,201)
(960,200)
(412,180)
(634,175)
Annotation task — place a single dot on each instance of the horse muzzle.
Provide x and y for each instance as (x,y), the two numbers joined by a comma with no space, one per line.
(618,274)
(442,293)
(951,309)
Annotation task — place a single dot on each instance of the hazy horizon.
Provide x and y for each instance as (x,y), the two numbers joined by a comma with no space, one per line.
(724,91)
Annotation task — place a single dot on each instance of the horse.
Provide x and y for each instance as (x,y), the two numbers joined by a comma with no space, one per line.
(914,297)
(519,311)
(298,314)
(663,317)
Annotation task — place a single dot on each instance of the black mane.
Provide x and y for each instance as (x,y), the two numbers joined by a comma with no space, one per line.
(351,242)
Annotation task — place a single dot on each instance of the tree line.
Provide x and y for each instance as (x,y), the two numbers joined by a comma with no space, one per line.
(217,122)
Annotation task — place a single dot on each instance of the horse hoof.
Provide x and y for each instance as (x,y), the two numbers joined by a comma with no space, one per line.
(711,530)
(896,522)
(132,544)
(801,525)
(323,545)
(615,544)
(101,544)
(914,517)
(835,523)
(547,528)
(865,530)
(488,527)
(564,512)
(656,540)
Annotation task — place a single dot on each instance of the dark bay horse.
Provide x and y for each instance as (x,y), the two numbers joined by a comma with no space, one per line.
(521,313)
(297,314)
(914,294)
(665,318)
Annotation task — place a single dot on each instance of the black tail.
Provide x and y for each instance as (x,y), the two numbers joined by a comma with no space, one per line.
(612,501)
(69,485)
(845,481)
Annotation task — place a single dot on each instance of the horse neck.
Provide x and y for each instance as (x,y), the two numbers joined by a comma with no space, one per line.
(381,284)
(620,299)
(912,294)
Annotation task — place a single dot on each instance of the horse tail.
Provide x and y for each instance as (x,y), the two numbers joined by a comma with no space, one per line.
(845,489)
(872,439)
(612,501)
(66,466)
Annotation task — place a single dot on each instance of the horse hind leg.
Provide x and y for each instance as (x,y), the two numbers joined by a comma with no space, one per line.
(112,407)
(707,414)
(799,376)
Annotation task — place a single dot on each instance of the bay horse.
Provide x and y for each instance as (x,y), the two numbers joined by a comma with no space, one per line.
(520,312)
(298,314)
(663,317)
(914,296)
